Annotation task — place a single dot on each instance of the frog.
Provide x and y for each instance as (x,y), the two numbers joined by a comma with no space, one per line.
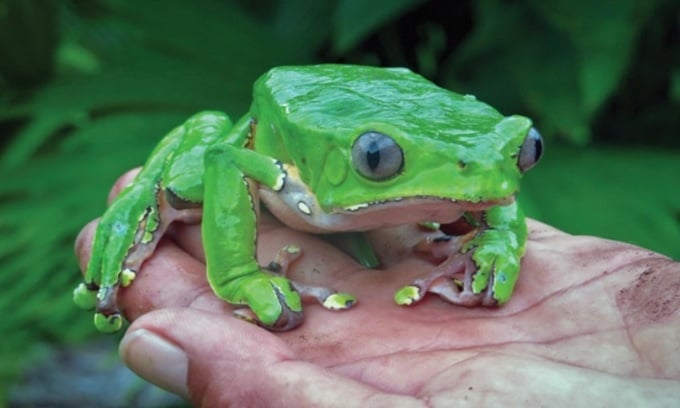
(327,149)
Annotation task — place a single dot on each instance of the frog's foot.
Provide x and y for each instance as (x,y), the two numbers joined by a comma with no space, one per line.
(454,279)
(287,320)
(107,317)
(446,281)
(285,313)
(151,230)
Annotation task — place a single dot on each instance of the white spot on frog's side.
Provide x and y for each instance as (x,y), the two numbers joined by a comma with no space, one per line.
(281,179)
(504,185)
(357,207)
(304,208)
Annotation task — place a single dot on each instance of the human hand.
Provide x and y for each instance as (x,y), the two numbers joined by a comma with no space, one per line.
(592,322)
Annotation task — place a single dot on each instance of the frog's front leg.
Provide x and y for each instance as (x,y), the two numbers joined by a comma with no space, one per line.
(481,268)
(232,176)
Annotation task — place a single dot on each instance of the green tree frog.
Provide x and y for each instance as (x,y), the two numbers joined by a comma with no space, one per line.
(327,148)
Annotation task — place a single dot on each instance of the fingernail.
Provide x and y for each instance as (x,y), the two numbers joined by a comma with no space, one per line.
(156,360)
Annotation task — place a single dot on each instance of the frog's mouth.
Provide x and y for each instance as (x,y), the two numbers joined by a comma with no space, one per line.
(427,200)
(398,211)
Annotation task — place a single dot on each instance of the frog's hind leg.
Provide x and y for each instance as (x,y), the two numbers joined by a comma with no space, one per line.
(169,188)
(147,241)
(152,226)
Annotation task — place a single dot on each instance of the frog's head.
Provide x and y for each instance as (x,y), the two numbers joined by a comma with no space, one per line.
(378,140)
(421,169)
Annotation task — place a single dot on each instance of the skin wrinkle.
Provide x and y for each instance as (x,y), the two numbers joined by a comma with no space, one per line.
(560,338)
(507,360)
(483,353)
(291,365)
(358,372)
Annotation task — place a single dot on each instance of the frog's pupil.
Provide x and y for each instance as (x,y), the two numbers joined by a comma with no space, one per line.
(377,156)
(373,155)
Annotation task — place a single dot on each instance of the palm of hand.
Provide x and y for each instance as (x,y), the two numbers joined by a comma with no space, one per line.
(591,320)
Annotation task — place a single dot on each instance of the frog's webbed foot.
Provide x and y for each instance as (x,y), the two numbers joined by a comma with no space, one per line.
(289,294)
(457,279)
(452,281)
(119,251)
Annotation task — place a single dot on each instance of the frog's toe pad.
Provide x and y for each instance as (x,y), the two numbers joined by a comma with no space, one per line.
(85,298)
(408,295)
(108,324)
(126,277)
(292,250)
(339,301)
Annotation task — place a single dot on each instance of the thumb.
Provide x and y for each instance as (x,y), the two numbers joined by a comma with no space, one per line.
(215,361)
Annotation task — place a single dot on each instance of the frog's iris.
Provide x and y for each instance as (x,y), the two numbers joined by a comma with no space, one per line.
(377,156)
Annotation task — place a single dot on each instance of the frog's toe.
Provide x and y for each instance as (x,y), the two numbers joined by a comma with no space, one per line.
(339,301)
(127,276)
(408,295)
(454,291)
(85,296)
(284,259)
(326,297)
(108,323)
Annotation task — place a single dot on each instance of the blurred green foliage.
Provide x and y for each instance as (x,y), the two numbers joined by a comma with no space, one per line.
(88,87)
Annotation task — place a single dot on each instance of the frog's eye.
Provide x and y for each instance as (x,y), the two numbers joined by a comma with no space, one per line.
(531,150)
(377,156)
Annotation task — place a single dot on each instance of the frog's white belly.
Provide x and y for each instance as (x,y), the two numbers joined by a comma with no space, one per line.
(303,212)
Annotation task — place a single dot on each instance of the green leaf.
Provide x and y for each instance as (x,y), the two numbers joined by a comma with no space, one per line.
(305,22)
(136,73)
(166,64)
(560,59)
(603,34)
(354,20)
(28,37)
(675,85)
(607,192)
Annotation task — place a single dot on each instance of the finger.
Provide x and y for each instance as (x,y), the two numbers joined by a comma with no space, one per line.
(122,182)
(232,363)
(83,244)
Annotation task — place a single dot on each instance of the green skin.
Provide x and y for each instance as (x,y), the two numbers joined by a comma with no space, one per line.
(293,151)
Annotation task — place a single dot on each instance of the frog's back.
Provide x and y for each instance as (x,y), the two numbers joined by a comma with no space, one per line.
(338,97)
